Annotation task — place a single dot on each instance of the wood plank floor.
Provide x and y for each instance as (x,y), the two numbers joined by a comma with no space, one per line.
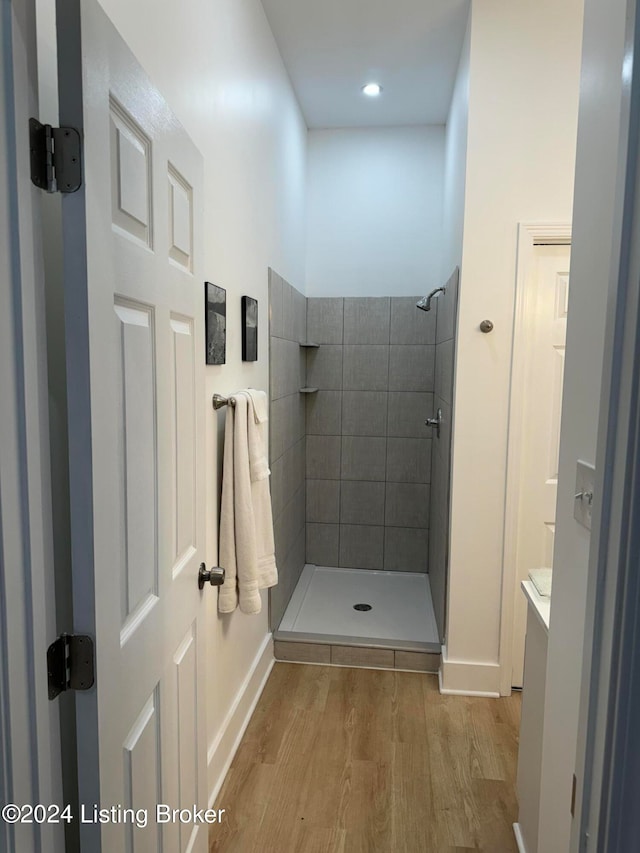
(356,761)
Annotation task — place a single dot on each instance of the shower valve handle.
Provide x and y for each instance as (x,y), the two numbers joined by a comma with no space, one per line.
(435,422)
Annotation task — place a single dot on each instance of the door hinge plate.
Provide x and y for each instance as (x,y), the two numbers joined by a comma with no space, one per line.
(70,664)
(55,157)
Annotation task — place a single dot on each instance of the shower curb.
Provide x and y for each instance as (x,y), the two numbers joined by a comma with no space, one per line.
(329,654)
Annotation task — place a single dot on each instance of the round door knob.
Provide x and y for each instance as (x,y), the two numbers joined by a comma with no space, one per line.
(213,576)
(486,326)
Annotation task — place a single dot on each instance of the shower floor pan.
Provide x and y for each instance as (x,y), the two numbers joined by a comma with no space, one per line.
(359,617)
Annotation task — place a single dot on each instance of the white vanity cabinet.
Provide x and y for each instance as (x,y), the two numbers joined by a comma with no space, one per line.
(532,720)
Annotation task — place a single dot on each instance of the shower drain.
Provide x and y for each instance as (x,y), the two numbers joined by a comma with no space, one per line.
(362,607)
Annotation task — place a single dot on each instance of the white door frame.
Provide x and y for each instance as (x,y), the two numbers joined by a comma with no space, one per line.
(30,769)
(529,235)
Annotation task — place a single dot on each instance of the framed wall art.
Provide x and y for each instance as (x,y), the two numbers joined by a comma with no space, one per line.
(215,306)
(249,329)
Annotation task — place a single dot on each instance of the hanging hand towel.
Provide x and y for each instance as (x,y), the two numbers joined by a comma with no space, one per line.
(246,524)
(260,405)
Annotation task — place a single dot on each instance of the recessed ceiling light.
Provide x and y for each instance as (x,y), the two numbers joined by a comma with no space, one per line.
(372,89)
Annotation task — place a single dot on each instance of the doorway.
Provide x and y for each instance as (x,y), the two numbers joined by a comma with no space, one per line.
(542,294)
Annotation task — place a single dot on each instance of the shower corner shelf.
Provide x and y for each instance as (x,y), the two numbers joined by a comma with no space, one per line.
(309,344)
(308,390)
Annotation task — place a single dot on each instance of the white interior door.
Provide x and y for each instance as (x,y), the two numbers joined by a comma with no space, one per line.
(546,319)
(30,761)
(135,356)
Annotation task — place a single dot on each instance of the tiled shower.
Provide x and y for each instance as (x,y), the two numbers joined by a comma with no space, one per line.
(352,383)
(368,450)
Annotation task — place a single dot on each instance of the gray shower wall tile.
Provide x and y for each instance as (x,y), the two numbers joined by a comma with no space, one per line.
(369,462)
(288,314)
(323,501)
(407,505)
(293,470)
(324,367)
(322,544)
(323,457)
(279,368)
(409,460)
(290,421)
(324,413)
(411,367)
(408,411)
(300,316)
(281,525)
(302,368)
(294,367)
(361,546)
(439,479)
(275,304)
(364,413)
(287,444)
(362,503)
(300,463)
(366,320)
(363,458)
(298,508)
(447,305)
(277,488)
(366,368)
(406,549)
(409,325)
(444,441)
(277,427)
(296,418)
(444,370)
(289,524)
(438,559)
(325,320)
(289,571)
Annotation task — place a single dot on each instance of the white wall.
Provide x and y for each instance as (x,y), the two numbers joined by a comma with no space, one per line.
(455,162)
(523,98)
(596,167)
(217,64)
(375,199)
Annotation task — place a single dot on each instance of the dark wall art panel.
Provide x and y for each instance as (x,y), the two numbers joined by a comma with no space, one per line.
(215,299)
(249,329)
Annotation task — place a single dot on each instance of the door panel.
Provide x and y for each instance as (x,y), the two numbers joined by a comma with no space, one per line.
(133,256)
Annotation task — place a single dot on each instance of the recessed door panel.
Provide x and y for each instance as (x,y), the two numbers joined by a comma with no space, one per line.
(142,780)
(130,175)
(183,363)
(185,661)
(180,219)
(137,415)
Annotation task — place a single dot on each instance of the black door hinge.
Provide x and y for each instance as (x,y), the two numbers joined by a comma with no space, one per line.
(70,664)
(55,157)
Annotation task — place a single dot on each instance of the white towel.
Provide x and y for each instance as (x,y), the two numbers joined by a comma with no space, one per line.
(246,524)
(260,406)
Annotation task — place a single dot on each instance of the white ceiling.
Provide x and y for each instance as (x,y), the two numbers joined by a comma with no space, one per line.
(331,48)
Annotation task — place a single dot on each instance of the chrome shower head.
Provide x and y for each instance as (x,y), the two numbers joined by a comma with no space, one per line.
(424,304)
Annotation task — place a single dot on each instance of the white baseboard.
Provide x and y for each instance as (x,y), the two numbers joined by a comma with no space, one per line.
(468,678)
(226,742)
(519,839)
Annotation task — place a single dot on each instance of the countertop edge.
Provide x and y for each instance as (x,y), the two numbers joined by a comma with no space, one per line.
(541,606)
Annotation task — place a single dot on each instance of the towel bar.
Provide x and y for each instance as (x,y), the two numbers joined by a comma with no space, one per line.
(219,401)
